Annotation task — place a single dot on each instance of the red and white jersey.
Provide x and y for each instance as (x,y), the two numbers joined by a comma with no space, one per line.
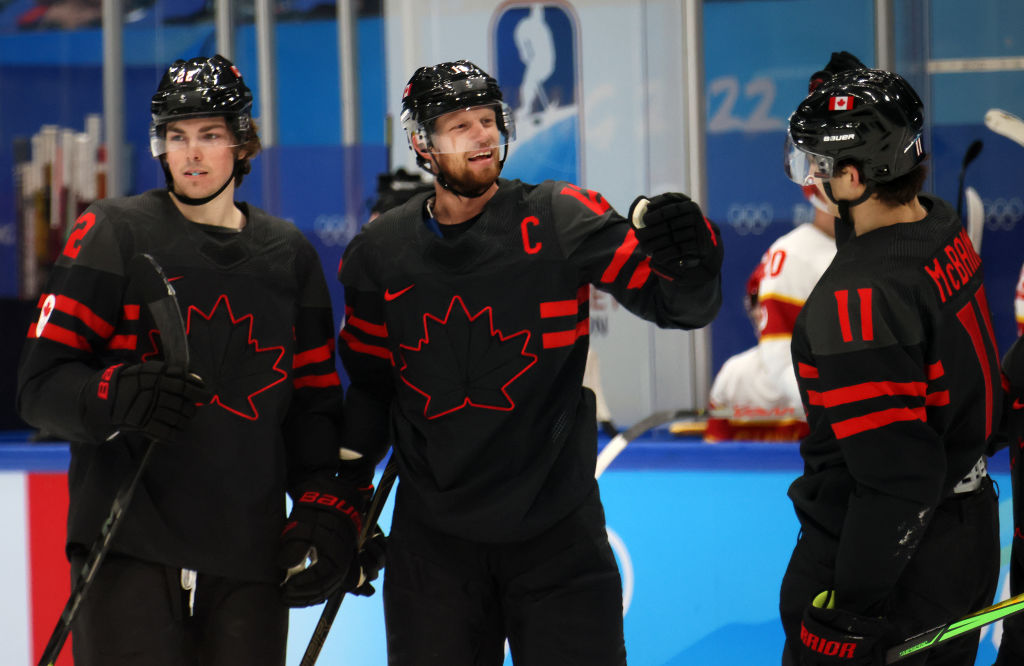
(755,395)
(1018,303)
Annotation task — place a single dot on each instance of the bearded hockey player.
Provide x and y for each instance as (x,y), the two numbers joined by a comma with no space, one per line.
(898,369)
(195,572)
(465,338)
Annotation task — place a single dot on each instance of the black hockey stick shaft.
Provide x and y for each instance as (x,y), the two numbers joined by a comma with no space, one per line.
(330,611)
(939,635)
(969,156)
(158,294)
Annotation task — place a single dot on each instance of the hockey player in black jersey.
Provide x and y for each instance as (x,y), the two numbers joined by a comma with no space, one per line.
(465,338)
(195,572)
(899,373)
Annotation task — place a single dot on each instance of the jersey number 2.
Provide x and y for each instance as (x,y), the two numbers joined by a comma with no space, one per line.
(81,228)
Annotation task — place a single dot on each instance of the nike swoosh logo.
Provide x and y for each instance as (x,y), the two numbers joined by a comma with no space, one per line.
(1017,404)
(390,295)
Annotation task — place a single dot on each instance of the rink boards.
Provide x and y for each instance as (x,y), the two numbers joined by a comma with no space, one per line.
(702,534)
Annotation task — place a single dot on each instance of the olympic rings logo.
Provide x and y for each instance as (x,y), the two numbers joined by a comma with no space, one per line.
(335,230)
(1003,214)
(749,218)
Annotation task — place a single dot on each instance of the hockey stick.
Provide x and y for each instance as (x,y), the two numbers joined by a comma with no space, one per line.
(330,611)
(617,444)
(1005,124)
(975,217)
(158,294)
(933,637)
(972,153)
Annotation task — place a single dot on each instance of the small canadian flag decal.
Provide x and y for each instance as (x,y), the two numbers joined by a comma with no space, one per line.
(840,103)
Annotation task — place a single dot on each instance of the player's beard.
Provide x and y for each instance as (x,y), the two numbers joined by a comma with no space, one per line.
(472,182)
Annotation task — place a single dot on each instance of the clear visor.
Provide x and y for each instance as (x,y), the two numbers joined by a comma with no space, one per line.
(804,167)
(166,136)
(476,128)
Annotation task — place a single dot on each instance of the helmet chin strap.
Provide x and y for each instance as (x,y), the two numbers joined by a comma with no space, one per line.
(439,174)
(845,204)
(193,201)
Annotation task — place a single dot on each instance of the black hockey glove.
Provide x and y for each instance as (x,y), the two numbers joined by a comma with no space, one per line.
(154,397)
(681,242)
(318,545)
(829,636)
(371,561)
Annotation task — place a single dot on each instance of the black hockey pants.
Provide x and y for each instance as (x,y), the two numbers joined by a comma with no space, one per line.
(954,571)
(556,597)
(137,614)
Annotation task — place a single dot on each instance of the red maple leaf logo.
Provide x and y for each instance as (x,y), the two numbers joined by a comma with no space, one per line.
(228,358)
(462,360)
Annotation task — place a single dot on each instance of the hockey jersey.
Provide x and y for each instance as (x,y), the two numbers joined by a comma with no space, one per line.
(898,367)
(754,395)
(261,335)
(470,351)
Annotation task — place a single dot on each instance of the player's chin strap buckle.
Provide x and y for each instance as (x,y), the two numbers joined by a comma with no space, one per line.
(973,480)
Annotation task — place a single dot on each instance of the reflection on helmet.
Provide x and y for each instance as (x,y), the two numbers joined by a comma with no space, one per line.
(870,117)
(196,88)
(451,86)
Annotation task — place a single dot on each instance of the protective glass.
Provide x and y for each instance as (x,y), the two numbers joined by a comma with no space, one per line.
(467,130)
(162,142)
(803,167)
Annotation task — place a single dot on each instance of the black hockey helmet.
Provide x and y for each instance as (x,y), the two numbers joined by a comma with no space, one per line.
(450,86)
(869,117)
(201,87)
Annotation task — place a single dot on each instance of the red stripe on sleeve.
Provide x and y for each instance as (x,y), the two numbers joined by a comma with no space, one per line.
(869,390)
(938,399)
(807,371)
(640,275)
(316,355)
(583,294)
(935,371)
(317,381)
(855,426)
(378,330)
(566,338)
(559,309)
(619,259)
(62,335)
(131,312)
(361,347)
